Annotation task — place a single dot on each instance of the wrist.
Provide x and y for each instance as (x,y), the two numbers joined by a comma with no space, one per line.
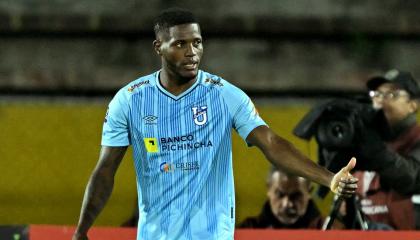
(80,232)
(79,236)
(333,185)
(330,181)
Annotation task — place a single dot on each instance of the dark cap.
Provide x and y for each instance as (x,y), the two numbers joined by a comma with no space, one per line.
(404,80)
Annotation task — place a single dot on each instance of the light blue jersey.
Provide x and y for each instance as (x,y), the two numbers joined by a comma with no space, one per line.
(182,148)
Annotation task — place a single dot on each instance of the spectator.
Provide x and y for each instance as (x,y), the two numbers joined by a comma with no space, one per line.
(288,204)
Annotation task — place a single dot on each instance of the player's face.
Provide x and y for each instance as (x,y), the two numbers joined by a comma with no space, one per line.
(181,50)
(395,103)
(288,197)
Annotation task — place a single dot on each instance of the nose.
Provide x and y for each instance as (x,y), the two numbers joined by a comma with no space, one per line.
(191,50)
(287,203)
(377,103)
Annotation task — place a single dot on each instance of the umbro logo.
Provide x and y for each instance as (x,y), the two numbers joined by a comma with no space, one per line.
(150,119)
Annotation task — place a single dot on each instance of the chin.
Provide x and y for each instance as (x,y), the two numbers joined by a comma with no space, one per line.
(189,75)
(288,221)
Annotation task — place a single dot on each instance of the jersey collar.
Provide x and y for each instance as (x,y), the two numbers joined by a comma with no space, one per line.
(163,90)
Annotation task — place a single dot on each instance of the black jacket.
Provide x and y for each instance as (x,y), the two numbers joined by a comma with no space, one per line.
(266,219)
(398,162)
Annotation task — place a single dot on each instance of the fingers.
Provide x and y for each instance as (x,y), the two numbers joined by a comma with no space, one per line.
(343,183)
(347,186)
(345,195)
(349,180)
(350,165)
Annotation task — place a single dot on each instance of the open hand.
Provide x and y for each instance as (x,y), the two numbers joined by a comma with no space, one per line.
(343,183)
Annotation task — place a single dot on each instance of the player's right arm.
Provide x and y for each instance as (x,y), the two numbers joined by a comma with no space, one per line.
(98,189)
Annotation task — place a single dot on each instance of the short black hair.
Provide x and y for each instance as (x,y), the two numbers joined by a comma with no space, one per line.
(172,17)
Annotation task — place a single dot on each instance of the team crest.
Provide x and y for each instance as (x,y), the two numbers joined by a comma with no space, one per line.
(199,115)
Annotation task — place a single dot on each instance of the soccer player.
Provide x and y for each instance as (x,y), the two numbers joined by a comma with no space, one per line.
(178,121)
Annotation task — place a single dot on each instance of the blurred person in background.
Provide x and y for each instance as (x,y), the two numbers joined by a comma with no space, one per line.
(289,204)
(179,121)
(390,154)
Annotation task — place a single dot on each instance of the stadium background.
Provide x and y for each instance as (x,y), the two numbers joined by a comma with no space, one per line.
(61,61)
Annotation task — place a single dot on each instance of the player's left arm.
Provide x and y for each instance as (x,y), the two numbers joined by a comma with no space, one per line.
(285,156)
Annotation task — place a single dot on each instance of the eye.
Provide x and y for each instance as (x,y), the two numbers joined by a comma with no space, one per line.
(179,44)
(197,42)
(280,194)
(391,95)
(296,196)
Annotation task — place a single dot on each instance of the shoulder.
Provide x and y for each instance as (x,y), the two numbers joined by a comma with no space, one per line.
(312,210)
(136,86)
(141,83)
(224,87)
(250,222)
(212,81)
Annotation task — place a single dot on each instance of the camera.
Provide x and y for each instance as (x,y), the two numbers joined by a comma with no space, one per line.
(337,125)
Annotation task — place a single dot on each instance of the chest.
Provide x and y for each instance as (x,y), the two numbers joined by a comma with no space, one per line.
(153,113)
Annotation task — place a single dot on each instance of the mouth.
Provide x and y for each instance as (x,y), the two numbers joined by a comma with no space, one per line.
(291,213)
(190,65)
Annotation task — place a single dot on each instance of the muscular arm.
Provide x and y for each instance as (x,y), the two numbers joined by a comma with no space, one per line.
(99,188)
(285,156)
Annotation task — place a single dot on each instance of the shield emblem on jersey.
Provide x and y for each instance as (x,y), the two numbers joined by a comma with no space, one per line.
(199,115)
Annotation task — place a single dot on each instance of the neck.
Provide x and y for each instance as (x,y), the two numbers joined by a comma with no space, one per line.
(174,84)
(394,121)
(404,123)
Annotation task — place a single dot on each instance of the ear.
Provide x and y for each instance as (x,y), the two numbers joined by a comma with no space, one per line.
(157,45)
(311,188)
(413,106)
(311,191)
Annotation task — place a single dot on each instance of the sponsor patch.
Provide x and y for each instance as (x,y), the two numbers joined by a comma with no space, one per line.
(151,145)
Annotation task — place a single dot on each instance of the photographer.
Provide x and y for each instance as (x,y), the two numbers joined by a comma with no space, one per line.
(391,154)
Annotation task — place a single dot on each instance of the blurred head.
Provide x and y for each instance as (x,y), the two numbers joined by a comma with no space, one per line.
(178,42)
(288,196)
(395,93)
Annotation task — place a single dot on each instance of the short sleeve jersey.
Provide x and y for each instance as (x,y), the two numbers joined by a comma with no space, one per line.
(182,153)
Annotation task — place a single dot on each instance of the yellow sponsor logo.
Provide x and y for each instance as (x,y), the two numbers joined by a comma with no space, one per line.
(151,145)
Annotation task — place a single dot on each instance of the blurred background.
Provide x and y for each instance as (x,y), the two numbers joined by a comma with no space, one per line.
(61,62)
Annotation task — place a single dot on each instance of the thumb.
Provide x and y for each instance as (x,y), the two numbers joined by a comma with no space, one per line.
(350,165)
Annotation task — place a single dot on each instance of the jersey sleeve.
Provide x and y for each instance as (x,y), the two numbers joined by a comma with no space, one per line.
(243,112)
(115,130)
